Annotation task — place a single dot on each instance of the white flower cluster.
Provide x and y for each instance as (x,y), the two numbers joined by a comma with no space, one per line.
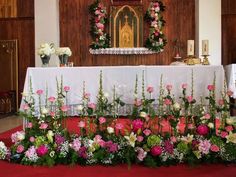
(3,150)
(64,149)
(46,49)
(63,51)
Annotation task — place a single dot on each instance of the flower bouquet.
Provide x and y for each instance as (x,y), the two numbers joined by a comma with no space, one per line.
(63,54)
(45,51)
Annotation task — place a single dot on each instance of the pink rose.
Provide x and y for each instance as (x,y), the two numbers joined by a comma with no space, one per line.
(29,125)
(102,120)
(20,148)
(137,124)
(64,108)
(66,88)
(156,150)
(25,107)
(190,99)
(140,138)
(221,102)
(215,148)
(169,87)
(53,114)
(202,129)
(31,139)
(223,134)
(42,150)
(229,128)
(119,126)
(92,106)
(184,86)
(98,138)
(147,132)
(150,89)
(81,124)
(100,26)
(51,99)
(39,92)
(43,126)
(167,101)
(211,87)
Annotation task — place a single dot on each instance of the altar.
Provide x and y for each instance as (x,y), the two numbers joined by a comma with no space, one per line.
(123,79)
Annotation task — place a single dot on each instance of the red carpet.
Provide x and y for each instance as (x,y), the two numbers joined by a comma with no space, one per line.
(16,170)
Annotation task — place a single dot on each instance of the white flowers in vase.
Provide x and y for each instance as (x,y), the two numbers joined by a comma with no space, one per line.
(63,51)
(46,49)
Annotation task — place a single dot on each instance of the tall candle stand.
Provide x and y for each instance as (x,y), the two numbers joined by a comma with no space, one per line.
(205,60)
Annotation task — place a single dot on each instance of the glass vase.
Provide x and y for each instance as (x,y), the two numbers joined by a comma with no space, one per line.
(63,60)
(45,60)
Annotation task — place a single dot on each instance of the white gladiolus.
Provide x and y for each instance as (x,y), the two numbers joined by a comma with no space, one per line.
(176,106)
(44,111)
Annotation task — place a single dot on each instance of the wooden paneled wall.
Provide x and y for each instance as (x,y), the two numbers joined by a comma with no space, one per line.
(22,29)
(74,32)
(228,31)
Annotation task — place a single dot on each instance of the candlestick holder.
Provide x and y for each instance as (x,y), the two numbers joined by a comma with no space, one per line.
(205,60)
(189,60)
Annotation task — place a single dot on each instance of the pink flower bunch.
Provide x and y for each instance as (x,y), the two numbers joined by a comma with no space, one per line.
(66,88)
(42,150)
(51,99)
(31,153)
(20,148)
(204,146)
(215,148)
(141,153)
(39,92)
(76,144)
(43,126)
(147,132)
(211,87)
(202,129)
(82,152)
(111,147)
(18,136)
(137,124)
(102,120)
(156,150)
(150,89)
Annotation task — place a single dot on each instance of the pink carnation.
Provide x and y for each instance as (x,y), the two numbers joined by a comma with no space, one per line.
(229,128)
(169,87)
(147,132)
(167,101)
(42,150)
(215,148)
(53,114)
(66,88)
(119,126)
(102,120)
(92,106)
(39,92)
(150,89)
(64,108)
(139,138)
(137,124)
(51,99)
(184,86)
(156,150)
(190,99)
(86,95)
(223,134)
(31,139)
(25,107)
(211,87)
(29,125)
(43,126)
(202,130)
(207,116)
(20,148)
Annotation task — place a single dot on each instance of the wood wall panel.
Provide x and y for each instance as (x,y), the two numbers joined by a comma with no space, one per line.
(21,28)
(228,31)
(74,32)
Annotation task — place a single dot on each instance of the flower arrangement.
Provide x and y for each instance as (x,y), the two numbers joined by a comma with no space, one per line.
(165,139)
(46,49)
(63,51)
(98,24)
(156,40)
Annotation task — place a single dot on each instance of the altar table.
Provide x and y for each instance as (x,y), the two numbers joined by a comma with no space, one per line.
(123,78)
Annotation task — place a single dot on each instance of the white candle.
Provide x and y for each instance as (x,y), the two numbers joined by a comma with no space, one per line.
(190,49)
(205,47)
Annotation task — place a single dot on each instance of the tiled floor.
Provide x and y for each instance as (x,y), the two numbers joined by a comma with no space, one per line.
(10,122)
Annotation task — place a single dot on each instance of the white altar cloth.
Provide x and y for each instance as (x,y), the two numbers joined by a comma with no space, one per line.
(123,77)
(231,77)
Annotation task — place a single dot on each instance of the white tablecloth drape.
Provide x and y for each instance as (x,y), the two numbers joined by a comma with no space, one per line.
(231,77)
(123,77)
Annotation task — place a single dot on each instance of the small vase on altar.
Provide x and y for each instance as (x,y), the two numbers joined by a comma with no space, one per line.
(63,60)
(45,60)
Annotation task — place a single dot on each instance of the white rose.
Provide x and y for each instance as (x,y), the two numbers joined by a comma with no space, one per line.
(80,107)
(106,95)
(210,125)
(143,114)
(176,106)
(110,130)
(44,111)
(20,136)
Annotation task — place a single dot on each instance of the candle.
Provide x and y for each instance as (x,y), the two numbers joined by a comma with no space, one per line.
(205,47)
(190,48)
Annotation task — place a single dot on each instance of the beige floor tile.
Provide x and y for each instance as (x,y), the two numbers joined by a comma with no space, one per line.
(10,122)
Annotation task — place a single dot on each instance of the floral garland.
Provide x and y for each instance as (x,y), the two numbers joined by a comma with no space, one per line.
(156,40)
(98,21)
